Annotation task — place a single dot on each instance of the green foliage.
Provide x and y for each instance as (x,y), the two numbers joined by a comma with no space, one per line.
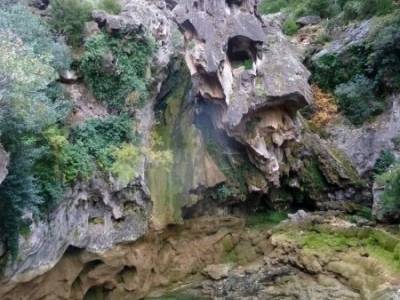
(385,55)
(363,75)
(69,16)
(271,6)
(18,192)
(100,137)
(248,64)
(379,244)
(391,194)
(115,69)
(290,26)
(17,22)
(384,161)
(126,160)
(331,70)
(348,9)
(110,6)
(266,219)
(313,181)
(357,99)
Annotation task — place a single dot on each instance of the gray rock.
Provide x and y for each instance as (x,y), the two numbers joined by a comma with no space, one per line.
(218,272)
(299,216)
(346,38)
(102,213)
(235,59)
(308,20)
(68,76)
(363,145)
(94,216)
(4,160)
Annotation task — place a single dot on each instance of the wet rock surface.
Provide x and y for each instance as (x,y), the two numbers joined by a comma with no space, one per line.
(221,258)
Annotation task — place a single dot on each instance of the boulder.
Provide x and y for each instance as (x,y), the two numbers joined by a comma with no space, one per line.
(68,76)
(308,20)
(218,272)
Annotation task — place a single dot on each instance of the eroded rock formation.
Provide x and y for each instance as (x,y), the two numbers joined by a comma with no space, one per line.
(236,62)
(244,88)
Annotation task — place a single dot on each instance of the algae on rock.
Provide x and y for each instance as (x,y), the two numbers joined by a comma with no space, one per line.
(192,167)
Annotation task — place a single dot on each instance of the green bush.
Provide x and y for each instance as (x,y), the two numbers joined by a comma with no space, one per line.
(115,69)
(18,21)
(110,6)
(384,161)
(125,163)
(348,9)
(69,16)
(100,137)
(391,193)
(385,56)
(330,70)
(290,26)
(357,100)
(272,6)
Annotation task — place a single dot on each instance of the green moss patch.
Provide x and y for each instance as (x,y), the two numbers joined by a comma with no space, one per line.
(266,219)
(379,244)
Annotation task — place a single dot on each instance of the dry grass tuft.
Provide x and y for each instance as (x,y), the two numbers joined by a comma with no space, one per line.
(324,106)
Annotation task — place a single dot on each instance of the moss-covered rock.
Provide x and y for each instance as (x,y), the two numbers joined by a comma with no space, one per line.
(192,168)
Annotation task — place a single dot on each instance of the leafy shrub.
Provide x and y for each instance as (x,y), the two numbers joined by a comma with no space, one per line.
(385,56)
(384,161)
(110,6)
(369,8)
(290,26)
(100,136)
(30,57)
(126,76)
(30,30)
(69,16)
(330,70)
(271,6)
(391,193)
(350,9)
(125,163)
(357,100)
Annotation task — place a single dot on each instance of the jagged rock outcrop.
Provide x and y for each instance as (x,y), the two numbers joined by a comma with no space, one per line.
(101,213)
(250,92)
(4,160)
(235,60)
(364,144)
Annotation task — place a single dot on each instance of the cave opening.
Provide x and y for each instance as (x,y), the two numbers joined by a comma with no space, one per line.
(189,31)
(232,3)
(242,51)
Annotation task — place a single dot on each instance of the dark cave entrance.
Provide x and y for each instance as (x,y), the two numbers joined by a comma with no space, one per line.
(242,51)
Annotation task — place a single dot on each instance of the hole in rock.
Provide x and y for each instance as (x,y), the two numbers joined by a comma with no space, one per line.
(127,274)
(242,51)
(209,84)
(96,293)
(232,3)
(199,5)
(189,30)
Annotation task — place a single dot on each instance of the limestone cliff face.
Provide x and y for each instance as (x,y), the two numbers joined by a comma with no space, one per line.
(244,87)
(245,67)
